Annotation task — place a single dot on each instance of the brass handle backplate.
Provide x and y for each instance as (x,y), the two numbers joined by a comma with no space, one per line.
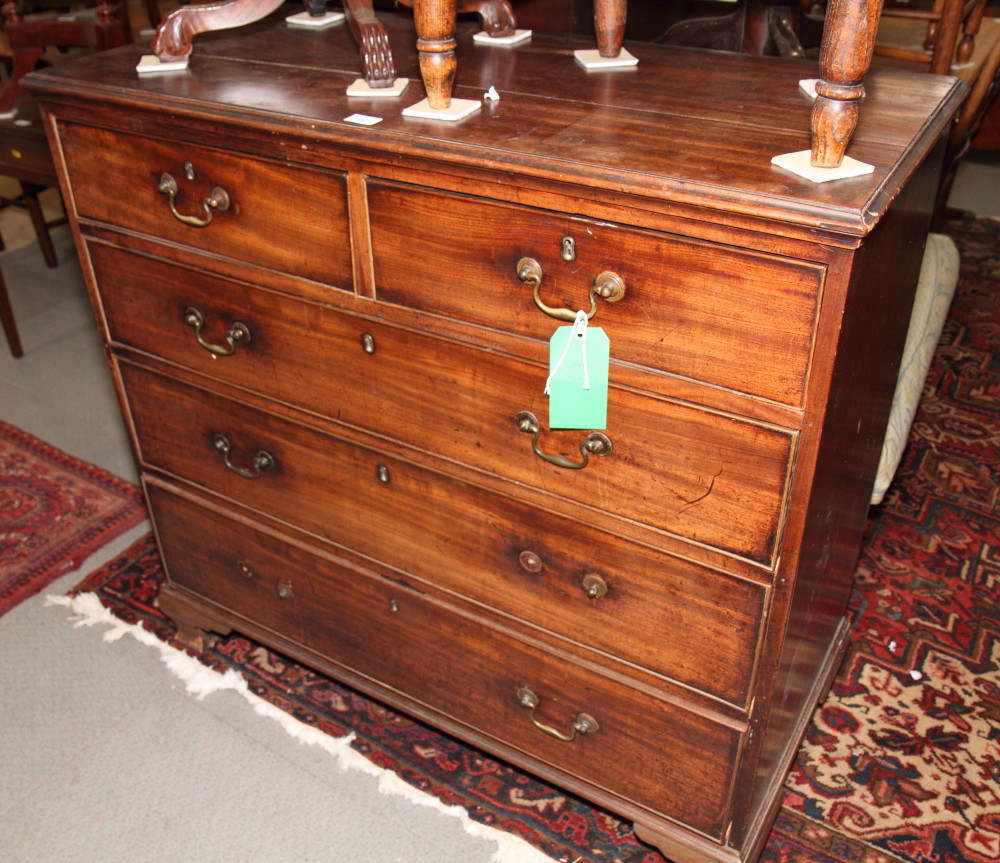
(595,443)
(584,723)
(594,586)
(237,334)
(607,285)
(261,462)
(218,199)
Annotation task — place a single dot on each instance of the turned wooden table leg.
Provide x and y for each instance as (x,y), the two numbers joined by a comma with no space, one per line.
(846,54)
(435,24)
(609,23)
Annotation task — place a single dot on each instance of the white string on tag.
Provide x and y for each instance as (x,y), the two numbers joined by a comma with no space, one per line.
(580,330)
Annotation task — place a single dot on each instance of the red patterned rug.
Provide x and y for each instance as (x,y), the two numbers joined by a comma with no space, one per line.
(55,511)
(903,760)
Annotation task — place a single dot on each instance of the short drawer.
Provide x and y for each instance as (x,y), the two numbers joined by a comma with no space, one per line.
(688,623)
(279,216)
(712,478)
(726,316)
(457,665)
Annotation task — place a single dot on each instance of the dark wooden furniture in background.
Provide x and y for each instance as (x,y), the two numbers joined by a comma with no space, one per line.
(24,149)
(956,40)
(950,36)
(760,27)
(104,25)
(24,155)
(331,343)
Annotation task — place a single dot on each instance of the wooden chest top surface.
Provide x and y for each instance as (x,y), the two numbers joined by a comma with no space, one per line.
(684,128)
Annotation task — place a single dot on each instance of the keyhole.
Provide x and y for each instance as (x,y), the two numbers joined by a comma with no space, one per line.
(568,249)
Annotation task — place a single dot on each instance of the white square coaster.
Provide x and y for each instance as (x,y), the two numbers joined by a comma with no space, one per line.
(363,120)
(317,22)
(516,38)
(592,59)
(808,86)
(361,88)
(150,64)
(458,110)
(799,163)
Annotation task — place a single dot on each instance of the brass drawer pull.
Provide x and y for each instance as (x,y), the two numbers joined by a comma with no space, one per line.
(607,285)
(218,199)
(237,334)
(584,723)
(596,442)
(261,462)
(594,586)
(530,562)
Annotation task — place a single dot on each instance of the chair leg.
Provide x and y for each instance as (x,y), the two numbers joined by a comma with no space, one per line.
(7,319)
(30,195)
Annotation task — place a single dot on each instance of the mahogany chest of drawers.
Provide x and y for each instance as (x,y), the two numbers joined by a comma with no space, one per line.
(331,344)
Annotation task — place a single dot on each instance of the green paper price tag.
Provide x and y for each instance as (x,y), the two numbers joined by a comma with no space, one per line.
(578,376)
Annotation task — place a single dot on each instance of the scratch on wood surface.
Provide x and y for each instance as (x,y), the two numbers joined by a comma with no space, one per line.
(708,491)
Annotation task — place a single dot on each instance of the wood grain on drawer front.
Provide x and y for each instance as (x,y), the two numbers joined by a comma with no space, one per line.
(280,216)
(694,625)
(721,315)
(708,477)
(645,749)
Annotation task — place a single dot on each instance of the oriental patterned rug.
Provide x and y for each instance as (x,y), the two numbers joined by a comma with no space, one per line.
(55,511)
(902,762)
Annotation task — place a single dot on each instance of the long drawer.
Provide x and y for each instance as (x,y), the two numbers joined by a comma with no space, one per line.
(704,476)
(462,667)
(727,316)
(688,623)
(278,216)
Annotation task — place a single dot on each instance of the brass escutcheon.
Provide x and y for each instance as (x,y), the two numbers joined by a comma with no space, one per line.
(568,249)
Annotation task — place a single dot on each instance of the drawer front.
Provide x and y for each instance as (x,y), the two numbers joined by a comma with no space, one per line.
(725,316)
(456,665)
(714,479)
(279,216)
(694,625)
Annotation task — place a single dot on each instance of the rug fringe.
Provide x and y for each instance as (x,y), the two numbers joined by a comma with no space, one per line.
(200,681)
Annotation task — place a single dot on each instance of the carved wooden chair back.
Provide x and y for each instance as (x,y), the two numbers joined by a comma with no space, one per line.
(31,31)
(949,37)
